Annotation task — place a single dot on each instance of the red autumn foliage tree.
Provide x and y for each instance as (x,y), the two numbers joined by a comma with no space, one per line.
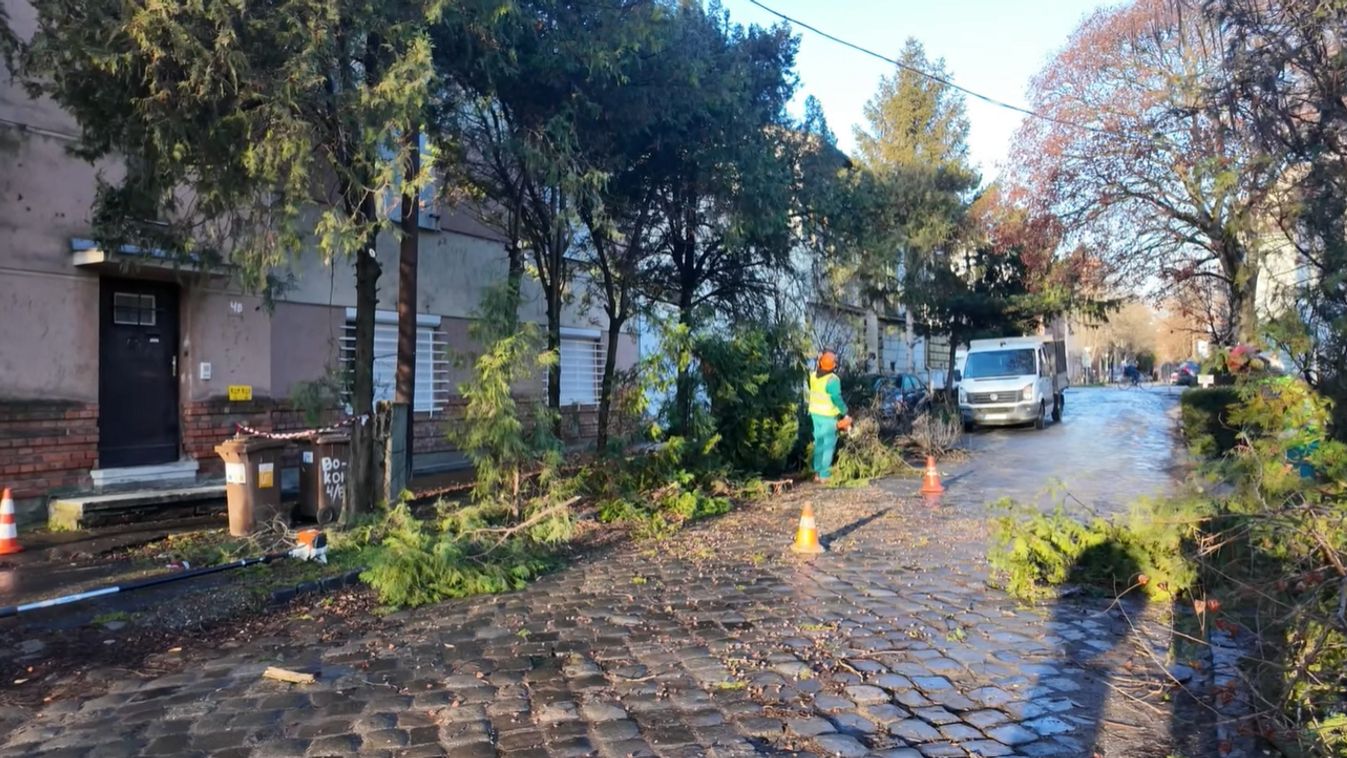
(1064,277)
(1140,165)
(1004,218)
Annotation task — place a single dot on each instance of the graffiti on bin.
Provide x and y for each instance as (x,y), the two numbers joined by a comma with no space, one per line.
(334,480)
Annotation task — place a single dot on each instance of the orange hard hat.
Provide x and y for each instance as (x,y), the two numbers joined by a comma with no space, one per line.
(827,361)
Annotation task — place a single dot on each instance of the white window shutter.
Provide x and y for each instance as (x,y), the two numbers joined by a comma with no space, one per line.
(385,361)
(432,388)
(581,369)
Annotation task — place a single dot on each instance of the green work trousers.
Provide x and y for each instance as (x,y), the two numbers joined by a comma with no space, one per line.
(825,443)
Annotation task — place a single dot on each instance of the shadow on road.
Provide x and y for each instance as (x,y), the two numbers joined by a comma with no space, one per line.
(955,478)
(1097,644)
(837,534)
(1112,667)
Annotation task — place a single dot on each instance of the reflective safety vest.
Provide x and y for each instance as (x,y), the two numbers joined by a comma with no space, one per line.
(820,402)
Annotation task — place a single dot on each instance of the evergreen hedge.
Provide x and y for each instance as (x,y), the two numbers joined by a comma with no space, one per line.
(1206,420)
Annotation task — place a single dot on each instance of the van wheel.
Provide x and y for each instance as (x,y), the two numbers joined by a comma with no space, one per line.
(1057,402)
(1041,421)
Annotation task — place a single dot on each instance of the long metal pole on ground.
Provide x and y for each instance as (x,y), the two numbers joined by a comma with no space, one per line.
(14,610)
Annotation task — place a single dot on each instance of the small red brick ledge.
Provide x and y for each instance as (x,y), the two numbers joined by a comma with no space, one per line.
(46,445)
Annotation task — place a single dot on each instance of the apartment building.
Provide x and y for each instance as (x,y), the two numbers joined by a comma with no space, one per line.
(127,367)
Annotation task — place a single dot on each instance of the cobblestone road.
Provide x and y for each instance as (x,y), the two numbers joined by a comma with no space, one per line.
(717,643)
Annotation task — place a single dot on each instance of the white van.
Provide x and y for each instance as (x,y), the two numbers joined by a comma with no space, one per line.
(1015,380)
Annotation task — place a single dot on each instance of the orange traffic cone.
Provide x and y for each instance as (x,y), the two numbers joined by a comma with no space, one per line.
(930,482)
(9,532)
(806,537)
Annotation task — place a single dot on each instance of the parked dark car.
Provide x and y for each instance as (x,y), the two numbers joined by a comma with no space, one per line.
(897,394)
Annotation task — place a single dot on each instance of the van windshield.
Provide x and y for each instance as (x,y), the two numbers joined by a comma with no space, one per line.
(998,363)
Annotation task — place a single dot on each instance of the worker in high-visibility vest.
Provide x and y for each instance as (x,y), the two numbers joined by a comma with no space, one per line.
(825,408)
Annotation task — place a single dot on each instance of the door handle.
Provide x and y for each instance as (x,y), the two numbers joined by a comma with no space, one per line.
(175,367)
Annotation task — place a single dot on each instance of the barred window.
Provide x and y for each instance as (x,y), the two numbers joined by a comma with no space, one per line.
(432,360)
(581,368)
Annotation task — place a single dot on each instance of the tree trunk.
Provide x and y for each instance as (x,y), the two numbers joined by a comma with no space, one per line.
(874,341)
(1244,308)
(910,338)
(556,281)
(363,474)
(554,346)
(683,390)
(606,386)
(949,371)
(687,292)
(407,263)
(515,258)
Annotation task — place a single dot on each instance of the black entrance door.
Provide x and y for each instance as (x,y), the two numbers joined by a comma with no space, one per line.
(137,374)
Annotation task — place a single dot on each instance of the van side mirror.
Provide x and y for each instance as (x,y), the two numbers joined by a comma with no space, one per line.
(958,375)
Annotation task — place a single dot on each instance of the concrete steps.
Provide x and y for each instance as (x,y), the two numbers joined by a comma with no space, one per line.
(103,509)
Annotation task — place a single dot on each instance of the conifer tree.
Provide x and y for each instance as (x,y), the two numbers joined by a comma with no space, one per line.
(250,132)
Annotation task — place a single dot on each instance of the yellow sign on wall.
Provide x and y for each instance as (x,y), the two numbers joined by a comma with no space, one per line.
(239,393)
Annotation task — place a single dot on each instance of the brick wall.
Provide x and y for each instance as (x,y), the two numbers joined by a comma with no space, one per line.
(46,446)
(579,422)
(430,434)
(207,423)
(50,446)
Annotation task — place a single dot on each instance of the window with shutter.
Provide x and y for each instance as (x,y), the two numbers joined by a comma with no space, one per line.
(432,362)
(581,368)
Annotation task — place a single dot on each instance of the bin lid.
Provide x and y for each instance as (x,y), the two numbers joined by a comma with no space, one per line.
(331,438)
(248,444)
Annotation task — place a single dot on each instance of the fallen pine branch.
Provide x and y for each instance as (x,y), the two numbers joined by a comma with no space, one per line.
(507,532)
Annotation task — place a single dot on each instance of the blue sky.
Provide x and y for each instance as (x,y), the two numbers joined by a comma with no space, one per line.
(991,46)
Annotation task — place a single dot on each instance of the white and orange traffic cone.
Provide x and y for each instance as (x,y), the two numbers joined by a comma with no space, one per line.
(806,536)
(9,530)
(930,481)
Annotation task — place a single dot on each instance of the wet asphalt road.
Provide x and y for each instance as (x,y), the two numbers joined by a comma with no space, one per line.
(1111,447)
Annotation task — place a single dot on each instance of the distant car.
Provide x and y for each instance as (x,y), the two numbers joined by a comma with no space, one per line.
(1185,375)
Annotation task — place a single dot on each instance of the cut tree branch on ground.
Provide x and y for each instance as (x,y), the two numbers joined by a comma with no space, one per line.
(507,532)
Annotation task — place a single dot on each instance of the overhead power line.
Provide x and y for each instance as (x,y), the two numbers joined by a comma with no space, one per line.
(938,79)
